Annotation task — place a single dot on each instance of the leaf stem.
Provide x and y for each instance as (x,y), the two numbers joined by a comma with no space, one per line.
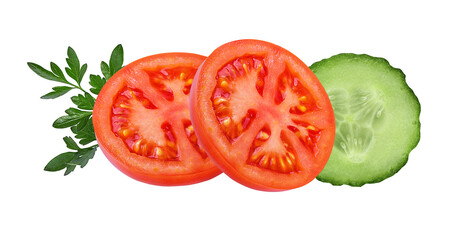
(79,87)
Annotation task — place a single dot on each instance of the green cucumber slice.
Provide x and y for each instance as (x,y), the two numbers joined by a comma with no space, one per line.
(377,118)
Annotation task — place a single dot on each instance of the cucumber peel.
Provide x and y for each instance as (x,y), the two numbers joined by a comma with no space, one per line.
(376,116)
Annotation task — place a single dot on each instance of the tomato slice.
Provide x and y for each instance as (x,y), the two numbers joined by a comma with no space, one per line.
(262,115)
(142,124)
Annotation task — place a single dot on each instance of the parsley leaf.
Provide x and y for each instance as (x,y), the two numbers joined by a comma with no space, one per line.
(79,119)
(82,156)
(73,117)
(86,134)
(69,169)
(97,82)
(81,124)
(75,71)
(81,73)
(42,72)
(85,102)
(56,70)
(105,70)
(73,63)
(57,92)
(59,162)
(115,64)
(70,160)
(116,60)
(71,144)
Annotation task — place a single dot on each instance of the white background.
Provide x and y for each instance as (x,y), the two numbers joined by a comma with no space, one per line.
(427,199)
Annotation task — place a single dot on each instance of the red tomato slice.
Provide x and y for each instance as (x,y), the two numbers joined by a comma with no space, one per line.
(262,115)
(142,124)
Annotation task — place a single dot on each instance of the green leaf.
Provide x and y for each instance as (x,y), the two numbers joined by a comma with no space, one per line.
(71,73)
(57,92)
(59,162)
(71,144)
(69,169)
(74,111)
(87,133)
(82,73)
(105,70)
(66,121)
(73,62)
(74,116)
(82,156)
(97,82)
(75,129)
(87,156)
(116,60)
(56,70)
(78,119)
(40,71)
(85,102)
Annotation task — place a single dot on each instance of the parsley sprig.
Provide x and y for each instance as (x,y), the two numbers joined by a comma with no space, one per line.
(78,118)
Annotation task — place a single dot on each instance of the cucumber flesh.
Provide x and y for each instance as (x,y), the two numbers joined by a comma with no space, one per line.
(377,118)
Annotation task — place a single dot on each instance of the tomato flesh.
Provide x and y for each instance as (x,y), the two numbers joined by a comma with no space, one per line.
(141,134)
(142,122)
(262,115)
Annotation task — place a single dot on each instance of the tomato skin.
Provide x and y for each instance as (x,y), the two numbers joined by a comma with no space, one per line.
(220,150)
(157,179)
(190,170)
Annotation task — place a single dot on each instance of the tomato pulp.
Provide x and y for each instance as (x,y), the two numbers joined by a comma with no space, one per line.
(262,115)
(142,124)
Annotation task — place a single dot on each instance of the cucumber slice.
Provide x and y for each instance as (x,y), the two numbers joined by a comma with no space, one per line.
(377,118)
